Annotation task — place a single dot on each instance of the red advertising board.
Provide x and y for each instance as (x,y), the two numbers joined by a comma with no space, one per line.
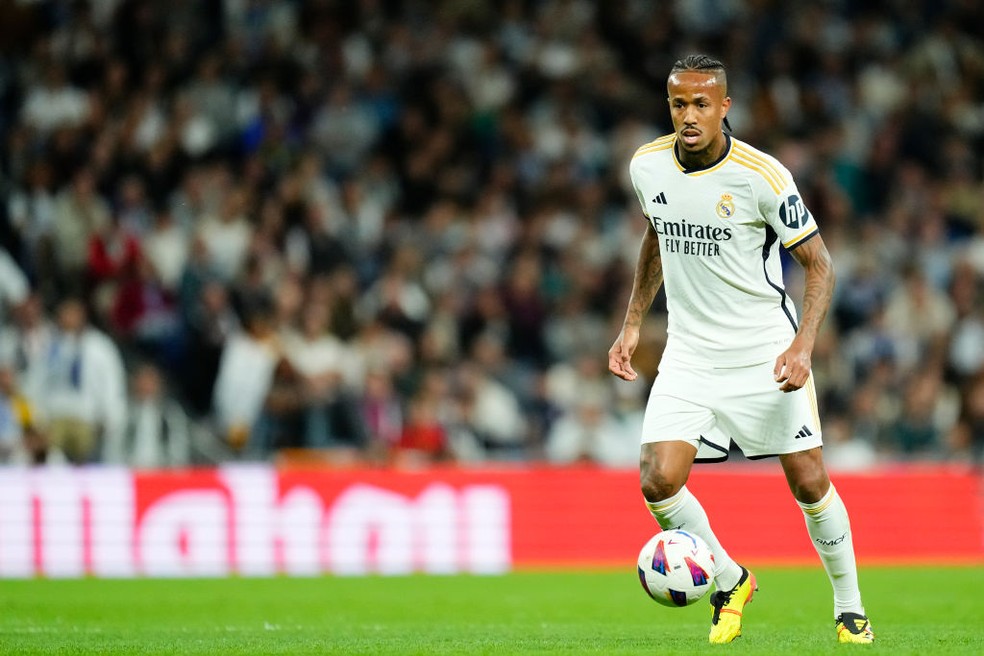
(257,520)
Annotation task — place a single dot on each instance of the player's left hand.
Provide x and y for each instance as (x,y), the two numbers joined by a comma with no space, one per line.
(792,368)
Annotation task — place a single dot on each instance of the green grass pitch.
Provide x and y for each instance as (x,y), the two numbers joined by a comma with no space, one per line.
(923,609)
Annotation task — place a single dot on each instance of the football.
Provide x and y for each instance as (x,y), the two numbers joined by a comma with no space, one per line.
(676,568)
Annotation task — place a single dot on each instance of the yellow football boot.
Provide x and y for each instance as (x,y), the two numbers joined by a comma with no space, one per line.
(854,628)
(727,607)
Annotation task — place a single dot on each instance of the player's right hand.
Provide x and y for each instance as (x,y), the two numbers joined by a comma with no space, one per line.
(620,354)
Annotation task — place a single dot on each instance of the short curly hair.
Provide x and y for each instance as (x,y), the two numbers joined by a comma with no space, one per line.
(702,64)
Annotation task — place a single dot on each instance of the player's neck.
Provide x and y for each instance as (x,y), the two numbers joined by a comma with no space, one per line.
(703,158)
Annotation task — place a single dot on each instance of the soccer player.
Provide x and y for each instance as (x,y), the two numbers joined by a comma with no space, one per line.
(737,359)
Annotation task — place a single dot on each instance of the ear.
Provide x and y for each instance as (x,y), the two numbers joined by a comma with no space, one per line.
(725,106)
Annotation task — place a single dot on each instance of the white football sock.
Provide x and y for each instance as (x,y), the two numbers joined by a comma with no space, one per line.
(683,511)
(830,530)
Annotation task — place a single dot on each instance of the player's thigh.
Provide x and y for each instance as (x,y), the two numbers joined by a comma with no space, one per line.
(675,410)
(680,409)
(764,421)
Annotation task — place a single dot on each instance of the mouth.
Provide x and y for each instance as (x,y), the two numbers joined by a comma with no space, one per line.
(690,136)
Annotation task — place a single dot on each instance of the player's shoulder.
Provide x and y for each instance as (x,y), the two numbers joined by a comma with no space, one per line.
(662,144)
(760,165)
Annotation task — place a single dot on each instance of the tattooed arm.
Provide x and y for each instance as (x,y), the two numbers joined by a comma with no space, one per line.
(793,366)
(648,279)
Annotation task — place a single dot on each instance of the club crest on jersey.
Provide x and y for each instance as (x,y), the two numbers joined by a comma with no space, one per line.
(726,206)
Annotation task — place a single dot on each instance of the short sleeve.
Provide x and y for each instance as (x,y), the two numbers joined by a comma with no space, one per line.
(633,176)
(787,214)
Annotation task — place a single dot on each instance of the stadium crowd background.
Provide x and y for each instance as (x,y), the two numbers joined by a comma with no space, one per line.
(403,230)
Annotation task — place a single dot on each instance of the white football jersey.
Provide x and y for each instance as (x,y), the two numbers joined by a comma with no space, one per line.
(719,229)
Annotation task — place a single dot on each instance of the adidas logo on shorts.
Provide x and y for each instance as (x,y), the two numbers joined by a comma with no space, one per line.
(803,432)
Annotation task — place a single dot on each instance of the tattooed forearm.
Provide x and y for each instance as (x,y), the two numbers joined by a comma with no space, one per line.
(819,287)
(648,279)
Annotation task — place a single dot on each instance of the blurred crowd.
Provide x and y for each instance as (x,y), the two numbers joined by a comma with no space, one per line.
(371,230)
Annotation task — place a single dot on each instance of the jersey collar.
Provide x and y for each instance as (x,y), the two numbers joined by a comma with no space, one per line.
(704,169)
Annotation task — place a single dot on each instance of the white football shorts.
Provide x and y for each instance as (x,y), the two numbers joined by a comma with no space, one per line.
(709,408)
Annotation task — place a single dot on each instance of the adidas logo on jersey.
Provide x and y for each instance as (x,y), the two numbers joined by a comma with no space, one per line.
(803,432)
(660,199)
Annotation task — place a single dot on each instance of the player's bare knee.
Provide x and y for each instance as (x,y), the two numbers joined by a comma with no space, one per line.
(806,475)
(656,483)
(809,487)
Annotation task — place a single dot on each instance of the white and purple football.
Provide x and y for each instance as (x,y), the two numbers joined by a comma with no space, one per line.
(676,568)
